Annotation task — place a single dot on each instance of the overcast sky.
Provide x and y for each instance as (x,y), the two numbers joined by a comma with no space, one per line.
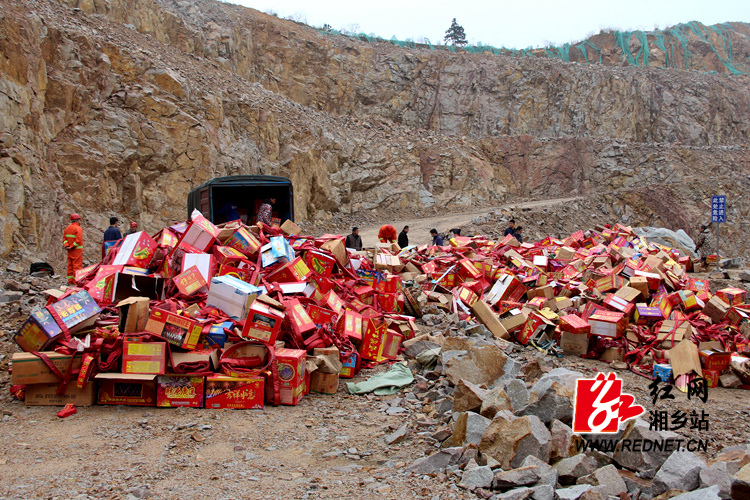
(519,24)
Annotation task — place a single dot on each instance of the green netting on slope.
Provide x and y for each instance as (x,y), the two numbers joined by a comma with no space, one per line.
(666,41)
(562,53)
(582,47)
(622,40)
(659,42)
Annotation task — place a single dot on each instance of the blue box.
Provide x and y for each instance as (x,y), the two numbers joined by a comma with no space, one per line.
(663,372)
(216,336)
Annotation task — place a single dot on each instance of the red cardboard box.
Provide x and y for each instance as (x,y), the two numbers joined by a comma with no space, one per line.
(573,323)
(143,357)
(77,312)
(232,392)
(190,282)
(535,324)
(320,263)
(333,302)
(320,315)
(201,233)
(291,272)
(372,339)
(179,390)
(131,389)
(228,256)
(263,322)
(390,302)
(351,324)
(732,296)
(608,323)
(243,241)
(299,320)
(291,369)
(349,366)
(136,250)
(390,344)
(177,330)
(619,304)
(507,288)
(712,359)
(712,377)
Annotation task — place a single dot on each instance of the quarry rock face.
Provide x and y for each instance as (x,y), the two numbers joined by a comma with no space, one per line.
(120,108)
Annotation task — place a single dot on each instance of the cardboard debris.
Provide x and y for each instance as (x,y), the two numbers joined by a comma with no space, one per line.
(603,293)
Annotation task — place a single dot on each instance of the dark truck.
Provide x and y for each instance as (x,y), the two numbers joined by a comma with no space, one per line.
(226,198)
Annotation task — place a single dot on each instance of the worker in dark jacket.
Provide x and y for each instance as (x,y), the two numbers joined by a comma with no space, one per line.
(403,239)
(518,235)
(437,240)
(511,229)
(111,235)
(354,240)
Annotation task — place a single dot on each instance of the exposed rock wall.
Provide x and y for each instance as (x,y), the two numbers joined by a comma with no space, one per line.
(475,95)
(104,118)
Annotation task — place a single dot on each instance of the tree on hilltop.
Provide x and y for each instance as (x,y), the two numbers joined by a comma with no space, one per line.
(455,34)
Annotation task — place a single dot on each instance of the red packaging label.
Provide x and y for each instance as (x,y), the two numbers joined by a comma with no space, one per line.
(230,392)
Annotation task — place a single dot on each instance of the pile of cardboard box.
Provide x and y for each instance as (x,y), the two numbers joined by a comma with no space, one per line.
(153,323)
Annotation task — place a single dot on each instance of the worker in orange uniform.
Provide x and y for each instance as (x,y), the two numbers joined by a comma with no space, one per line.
(387,234)
(73,243)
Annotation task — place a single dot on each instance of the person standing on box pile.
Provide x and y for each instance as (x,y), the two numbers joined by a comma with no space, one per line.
(265,211)
(403,239)
(437,240)
(133,228)
(701,245)
(354,240)
(111,235)
(387,234)
(511,229)
(73,243)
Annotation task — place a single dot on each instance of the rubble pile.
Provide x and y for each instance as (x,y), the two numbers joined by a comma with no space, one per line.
(240,316)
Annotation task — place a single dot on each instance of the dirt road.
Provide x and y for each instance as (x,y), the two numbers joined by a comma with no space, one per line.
(419,228)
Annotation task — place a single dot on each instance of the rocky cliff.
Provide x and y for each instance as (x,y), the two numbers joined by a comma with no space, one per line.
(121,107)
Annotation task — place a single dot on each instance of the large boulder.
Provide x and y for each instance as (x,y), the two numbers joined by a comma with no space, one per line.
(710,493)
(480,364)
(741,484)
(564,442)
(437,461)
(570,469)
(477,477)
(717,474)
(469,429)
(606,481)
(680,471)
(509,440)
(496,400)
(468,396)
(515,478)
(645,456)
